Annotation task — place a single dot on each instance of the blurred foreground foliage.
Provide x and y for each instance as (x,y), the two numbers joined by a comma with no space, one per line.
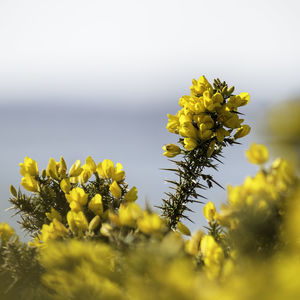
(90,240)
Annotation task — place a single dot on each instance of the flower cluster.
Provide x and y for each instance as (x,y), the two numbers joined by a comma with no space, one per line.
(208,116)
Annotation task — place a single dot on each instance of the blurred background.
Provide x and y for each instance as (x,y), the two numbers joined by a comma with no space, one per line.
(80,78)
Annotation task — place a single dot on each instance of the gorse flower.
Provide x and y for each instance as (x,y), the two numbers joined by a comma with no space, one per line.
(206,112)
(257,154)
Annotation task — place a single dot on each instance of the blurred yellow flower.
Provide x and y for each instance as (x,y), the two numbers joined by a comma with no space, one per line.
(257,154)
(29,167)
(96,205)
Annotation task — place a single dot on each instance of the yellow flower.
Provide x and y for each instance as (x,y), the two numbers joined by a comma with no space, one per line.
(77,221)
(65,185)
(213,256)
(91,164)
(115,190)
(62,167)
(105,169)
(6,232)
(94,223)
(204,132)
(171,150)
(96,205)
(212,102)
(118,174)
(187,129)
(183,229)
(75,206)
(173,124)
(52,231)
(88,169)
(29,167)
(29,183)
(192,246)
(209,211)
(239,100)
(190,144)
(131,196)
(257,154)
(242,131)
(54,214)
(200,86)
(230,120)
(150,223)
(78,195)
(128,214)
(75,169)
(51,170)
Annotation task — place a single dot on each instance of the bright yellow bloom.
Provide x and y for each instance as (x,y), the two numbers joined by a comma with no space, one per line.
(96,205)
(204,118)
(78,195)
(187,129)
(62,167)
(65,185)
(75,169)
(118,174)
(200,86)
(77,221)
(213,256)
(209,211)
(105,169)
(94,223)
(171,150)
(54,214)
(29,183)
(88,169)
(115,190)
(75,206)
(212,102)
(150,223)
(183,229)
(29,167)
(190,144)
(204,132)
(257,154)
(52,231)
(131,196)
(192,246)
(91,164)
(128,214)
(6,232)
(52,169)
(173,124)
(230,120)
(239,100)
(242,131)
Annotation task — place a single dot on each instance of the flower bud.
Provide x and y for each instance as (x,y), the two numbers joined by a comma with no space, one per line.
(95,222)
(13,191)
(171,150)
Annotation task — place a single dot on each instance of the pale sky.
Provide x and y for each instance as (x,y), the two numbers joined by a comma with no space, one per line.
(74,50)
